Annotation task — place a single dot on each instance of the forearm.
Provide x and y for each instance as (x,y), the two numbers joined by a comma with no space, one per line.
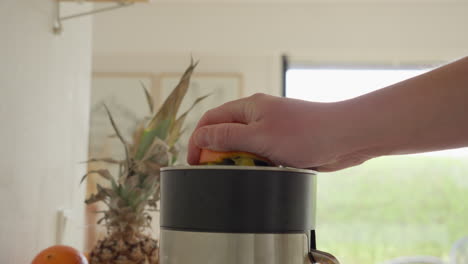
(425,113)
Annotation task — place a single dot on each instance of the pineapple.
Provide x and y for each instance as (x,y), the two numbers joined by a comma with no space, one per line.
(136,190)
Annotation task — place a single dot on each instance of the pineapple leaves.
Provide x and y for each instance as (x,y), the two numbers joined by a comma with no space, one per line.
(176,129)
(151,181)
(166,116)
(104,218)
(149,98)
(132,182)
(158,151)
(148,137)
(103,173)
(119,135)
(136,137)
(106,160)
(101,195)
(135,191)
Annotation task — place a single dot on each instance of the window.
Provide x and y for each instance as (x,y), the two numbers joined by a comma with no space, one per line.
(389,207)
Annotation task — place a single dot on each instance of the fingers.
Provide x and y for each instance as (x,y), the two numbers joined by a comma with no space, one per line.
(193,154)
(232,113)
(238,111)
(222,137)
(342,164)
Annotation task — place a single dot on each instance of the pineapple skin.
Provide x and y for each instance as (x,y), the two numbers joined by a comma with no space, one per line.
(116,249)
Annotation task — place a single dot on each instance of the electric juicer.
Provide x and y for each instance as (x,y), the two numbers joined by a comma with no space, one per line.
(239,215)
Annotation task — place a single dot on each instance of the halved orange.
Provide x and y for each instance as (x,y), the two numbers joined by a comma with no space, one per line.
(239,158)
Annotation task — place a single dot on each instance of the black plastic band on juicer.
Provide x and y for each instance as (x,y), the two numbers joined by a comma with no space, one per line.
(237,201)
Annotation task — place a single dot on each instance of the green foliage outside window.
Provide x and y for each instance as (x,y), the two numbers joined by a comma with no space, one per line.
(392,207)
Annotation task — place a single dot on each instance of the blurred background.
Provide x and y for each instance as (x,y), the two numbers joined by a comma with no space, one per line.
(53,86)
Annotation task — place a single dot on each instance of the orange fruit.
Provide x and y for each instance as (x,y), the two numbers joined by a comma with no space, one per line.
(211,157)
(60,254)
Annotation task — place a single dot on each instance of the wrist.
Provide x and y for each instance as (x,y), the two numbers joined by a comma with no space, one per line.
(360,131)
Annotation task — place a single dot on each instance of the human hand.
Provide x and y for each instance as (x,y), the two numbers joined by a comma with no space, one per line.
(288,132)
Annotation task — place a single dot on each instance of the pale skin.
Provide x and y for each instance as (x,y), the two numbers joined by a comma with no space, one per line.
(425,113)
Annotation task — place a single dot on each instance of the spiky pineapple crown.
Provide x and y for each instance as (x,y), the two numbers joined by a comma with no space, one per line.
(135,191)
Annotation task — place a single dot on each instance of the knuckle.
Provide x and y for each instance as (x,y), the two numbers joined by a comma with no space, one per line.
(250,110)
(265,106)
(258,96)
(255,105)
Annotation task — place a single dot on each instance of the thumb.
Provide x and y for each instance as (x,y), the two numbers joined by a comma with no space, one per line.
(226,137)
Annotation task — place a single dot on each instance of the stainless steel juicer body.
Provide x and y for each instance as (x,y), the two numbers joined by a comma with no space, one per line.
(232,248)
(237,215)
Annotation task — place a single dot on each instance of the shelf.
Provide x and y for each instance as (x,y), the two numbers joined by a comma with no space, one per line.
(58,27)
(106,1)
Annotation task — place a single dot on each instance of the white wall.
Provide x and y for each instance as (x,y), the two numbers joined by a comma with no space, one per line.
(256,70)
(44,91)
(249,38)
